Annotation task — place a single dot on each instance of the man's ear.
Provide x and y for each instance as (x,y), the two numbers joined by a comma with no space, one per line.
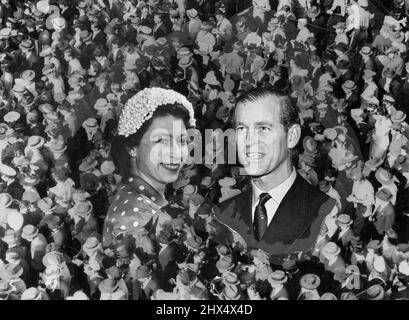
(294,134)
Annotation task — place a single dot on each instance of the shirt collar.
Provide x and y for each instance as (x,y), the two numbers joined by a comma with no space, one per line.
(144,188)
(278,192)
(342,232)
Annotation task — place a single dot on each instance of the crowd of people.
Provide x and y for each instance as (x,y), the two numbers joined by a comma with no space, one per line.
(76,224)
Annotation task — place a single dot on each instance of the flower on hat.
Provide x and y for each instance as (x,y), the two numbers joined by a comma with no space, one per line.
(141,107)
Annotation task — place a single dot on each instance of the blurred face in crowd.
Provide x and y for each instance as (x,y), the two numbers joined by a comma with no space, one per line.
(157,19)
(263,143)
(162,151)
(145,11)
(67,57)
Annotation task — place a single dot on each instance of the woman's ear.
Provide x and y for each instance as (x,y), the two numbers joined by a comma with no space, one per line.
(293,137)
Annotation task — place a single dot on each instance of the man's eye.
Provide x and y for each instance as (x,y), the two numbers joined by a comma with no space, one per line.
(240,128)
(264,129)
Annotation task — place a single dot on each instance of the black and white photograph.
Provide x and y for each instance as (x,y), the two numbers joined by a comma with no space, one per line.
(212,150)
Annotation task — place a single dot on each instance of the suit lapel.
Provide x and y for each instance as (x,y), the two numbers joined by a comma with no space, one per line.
(238,215)
(243,209)
(290,220)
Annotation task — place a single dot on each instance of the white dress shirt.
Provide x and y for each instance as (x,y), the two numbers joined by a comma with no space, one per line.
(277,195)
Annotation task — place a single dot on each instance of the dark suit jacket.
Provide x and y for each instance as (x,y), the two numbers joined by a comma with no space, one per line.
(168,255)
(167,260)
(295,225)
(87,54)
(347,237)
(100,39)
(145,294)
(34,62)
(162,31)
(15,190)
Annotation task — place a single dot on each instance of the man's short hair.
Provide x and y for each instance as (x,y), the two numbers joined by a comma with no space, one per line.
(288,112)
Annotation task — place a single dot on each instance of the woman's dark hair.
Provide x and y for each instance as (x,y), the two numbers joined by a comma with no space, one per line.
(121,145)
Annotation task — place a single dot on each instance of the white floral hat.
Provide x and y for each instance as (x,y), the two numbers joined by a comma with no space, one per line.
(141,107)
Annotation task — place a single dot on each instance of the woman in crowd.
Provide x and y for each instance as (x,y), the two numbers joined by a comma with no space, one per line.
(149,150)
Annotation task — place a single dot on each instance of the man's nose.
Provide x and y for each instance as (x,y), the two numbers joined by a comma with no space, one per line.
(251,137)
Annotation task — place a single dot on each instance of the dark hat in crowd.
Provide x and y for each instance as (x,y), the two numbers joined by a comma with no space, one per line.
(165,237)
(341,46)
(344,65)
(324,186)
(89,182)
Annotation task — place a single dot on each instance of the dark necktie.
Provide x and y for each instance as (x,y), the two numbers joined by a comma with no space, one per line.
(336,234)
(260,216)
(375,215)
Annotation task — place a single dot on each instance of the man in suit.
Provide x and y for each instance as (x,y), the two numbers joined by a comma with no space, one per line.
(278,280)
(159,29)
(281,213)
(168,254)
(98,35)
(383,216)
(344,235)
(30,60)
(145,284)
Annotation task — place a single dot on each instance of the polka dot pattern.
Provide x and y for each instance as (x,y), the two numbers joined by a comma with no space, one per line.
(133,207)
